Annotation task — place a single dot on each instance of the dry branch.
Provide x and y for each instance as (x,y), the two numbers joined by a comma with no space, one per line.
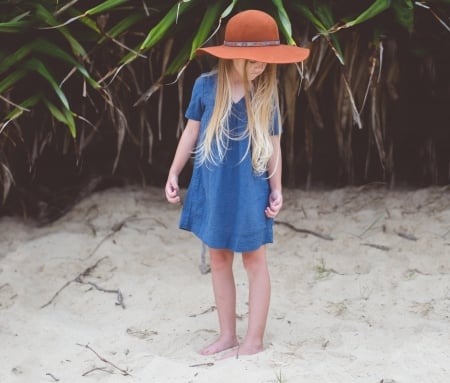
(306,231)
(122,371)
(209,364)
(103,369)
(411,237)
(79,279)
(117,291)
(379,247)
(52,376)
(210,310)
(114,229)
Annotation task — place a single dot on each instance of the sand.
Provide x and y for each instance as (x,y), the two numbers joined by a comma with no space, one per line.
(112,292)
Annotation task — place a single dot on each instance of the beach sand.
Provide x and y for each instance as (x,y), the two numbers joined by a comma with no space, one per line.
(112,292)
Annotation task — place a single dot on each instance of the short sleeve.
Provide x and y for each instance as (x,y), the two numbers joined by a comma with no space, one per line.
(196,106)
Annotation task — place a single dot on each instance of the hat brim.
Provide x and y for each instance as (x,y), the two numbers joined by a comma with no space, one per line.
(279,54)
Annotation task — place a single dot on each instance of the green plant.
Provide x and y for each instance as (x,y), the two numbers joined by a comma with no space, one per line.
(98,104)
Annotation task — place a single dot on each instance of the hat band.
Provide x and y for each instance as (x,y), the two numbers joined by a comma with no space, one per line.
(251,43)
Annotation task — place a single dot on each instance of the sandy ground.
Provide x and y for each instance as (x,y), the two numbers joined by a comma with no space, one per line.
(369,304)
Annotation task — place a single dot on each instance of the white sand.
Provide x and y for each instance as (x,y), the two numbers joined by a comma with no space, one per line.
(341,311)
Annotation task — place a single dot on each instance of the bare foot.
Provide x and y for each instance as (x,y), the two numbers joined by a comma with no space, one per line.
(221,344)
(243,349)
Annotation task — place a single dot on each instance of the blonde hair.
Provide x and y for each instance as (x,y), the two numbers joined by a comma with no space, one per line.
(261,99)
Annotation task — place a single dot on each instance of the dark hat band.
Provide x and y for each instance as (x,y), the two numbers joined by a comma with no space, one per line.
(251,43)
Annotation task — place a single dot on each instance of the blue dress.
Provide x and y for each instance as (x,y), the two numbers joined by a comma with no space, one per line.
(225,202)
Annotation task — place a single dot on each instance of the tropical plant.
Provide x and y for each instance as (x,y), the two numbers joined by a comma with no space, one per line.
(93,93)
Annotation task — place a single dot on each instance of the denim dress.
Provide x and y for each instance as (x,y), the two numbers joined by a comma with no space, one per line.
(225,202)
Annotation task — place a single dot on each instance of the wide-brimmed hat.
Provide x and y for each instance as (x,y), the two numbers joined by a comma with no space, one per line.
(253,35)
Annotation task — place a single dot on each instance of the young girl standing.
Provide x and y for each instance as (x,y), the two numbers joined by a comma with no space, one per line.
(234,130)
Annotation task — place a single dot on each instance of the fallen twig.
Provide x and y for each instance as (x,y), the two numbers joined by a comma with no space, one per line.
(52,376)
(210,310)
(84,273)
(209,364)
(379,247)
(305,231)
(109,235)
(122,371)
(411,237)
(103,369)
(117,291)
(114,229)
(79,279)
(57,293)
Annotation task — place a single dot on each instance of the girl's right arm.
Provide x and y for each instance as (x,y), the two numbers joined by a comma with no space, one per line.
(184,151)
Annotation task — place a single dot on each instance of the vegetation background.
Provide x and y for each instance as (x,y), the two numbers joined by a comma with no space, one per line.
(92,93)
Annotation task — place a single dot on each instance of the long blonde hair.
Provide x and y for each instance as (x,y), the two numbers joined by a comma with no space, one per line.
(261,99)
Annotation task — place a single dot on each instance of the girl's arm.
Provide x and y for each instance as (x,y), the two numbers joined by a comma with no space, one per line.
(274,171)
(183,153)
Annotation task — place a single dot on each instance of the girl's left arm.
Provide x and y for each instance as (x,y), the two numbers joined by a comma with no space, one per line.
(274,171)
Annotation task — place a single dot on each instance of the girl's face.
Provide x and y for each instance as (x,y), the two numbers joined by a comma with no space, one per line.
(254,68)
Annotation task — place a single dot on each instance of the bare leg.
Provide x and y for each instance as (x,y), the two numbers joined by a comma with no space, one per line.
(225,296)
(259,299)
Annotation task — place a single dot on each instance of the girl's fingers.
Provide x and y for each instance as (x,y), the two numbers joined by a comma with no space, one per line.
(172,193)
(274,207)
(270,213)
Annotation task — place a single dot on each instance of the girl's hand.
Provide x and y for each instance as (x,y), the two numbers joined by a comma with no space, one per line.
(172,189)
(275,204)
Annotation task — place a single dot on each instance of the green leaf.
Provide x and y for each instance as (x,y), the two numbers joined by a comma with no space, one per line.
(15,57)
(59,115)
(404,13)
(47,48)
(123,25)
(323,20)
(105,6)
(285,23)
(375,9)
(11,79)
(91,24)
(325,14)
(55,51)
(17,112)
(306,12)
(228,9)
(210,17)
(179,61)
(21,16)
(13,26)
(160,30)
(64,116)
(39,67)
(46,17)
(16,24)
(70,122)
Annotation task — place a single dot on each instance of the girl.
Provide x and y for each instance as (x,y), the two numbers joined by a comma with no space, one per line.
(235,191)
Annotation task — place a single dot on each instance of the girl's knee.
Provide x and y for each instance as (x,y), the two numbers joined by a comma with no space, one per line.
(221,259)
(254,260)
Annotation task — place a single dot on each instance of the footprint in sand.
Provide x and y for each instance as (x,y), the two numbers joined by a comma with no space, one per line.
(141,334)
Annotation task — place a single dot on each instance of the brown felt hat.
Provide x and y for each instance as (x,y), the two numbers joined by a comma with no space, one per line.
(253,35)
